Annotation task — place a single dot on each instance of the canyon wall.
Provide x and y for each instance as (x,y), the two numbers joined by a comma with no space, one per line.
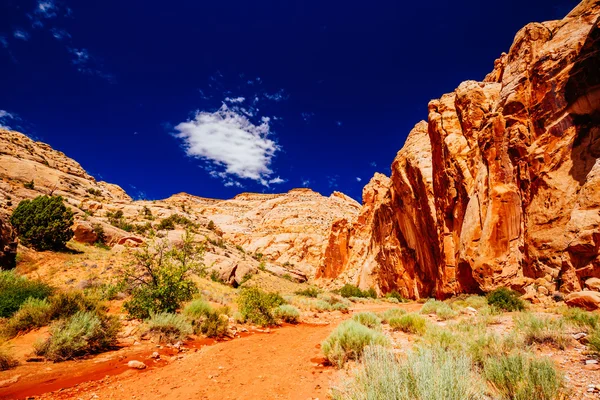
(500,187)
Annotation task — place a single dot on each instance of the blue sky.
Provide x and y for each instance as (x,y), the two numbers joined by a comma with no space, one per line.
(217,98)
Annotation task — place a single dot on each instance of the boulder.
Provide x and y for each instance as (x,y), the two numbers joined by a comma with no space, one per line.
(586,299)
(84,232)
(593,284)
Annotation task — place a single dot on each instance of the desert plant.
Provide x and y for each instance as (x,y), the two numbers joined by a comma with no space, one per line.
(7,361)
(593,341)
(29,185)
(173,220)
(505,299)
(215,325)
(439,308)
(392,312)
(368,319)
(424,375)
(167,327)
(287,313)
(159,277)
(394,294)
(197,309)
(34,313)
(16,289)
(67,303)
(348,341)
(522,377)
(43,223)
(581,319)
(542,330)
(349,290)
(409,323)
(257,306)
(81,334)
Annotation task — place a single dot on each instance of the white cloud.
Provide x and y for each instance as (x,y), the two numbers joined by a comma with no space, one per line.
(277,97)
(60,34)
(86,64)
(5,118)
(358,179)
(21,35)
(306,182)
(46,8)
(232,143)
(235,99)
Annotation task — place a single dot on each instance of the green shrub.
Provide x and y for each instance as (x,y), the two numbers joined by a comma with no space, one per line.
(340,307)
(159,278)
(349,290)
(409,323)
(197,309)
(368,319)
(83,333)
(257,306)
(43,223)
(505,299)
(287,313)
(171,221)
(16,289)
(424,375)
(34,313)
(29,185)
(309,292)
(542,330)
(168,327)
(392,312)
(348,341)
(65,304)
(7,361)
(394,294)
(581,319)
(441,309)
(214,325)
(477,302)
(593,341)
(521,377)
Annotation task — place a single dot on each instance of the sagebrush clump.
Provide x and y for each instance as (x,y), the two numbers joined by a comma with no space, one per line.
(409,323)
(16,289)
(168,327)
(348,341)
(257,307)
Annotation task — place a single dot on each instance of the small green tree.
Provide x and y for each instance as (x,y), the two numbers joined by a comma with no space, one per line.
(159,278)
(43,223)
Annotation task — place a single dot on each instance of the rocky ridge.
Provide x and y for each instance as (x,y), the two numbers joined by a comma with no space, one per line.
(500,187)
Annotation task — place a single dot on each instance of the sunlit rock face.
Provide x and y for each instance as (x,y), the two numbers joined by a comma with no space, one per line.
(500,187)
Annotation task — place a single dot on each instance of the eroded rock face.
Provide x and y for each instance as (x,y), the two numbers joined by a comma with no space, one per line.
(8,244)
(502,184)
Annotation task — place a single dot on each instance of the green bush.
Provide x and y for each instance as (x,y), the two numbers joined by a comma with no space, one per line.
(391,313)
(409,323)
(348,341)
(16,289)
(395,295)
(173,220)
(43,223)
(168,327)
(159,278)
(368,319)
(441,309)
(287,313)
(505,299)
(257,306)
(7,361)
(349,290)
(34,313)
(309,292)
(593,341)
(581,319)
(65,304)
(424,375)
(542,330)
(215,325)
(83,333)
(521,377)
(197,309)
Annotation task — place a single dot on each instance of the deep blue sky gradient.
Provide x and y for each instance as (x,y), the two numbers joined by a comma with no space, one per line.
(362,71)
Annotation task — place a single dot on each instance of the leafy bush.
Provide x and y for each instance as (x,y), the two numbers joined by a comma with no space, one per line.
(391,313)
(94,192)
(368,319)
(43,223)
(542,330)
(100,235)
(308,292)
(173,220)
(83,333)
(160,277)
(214,325)
(7,361)
(197,309)
(505,299)
(409,323)
(34,313)
(395,295)
(287,313)
(257,306)
(349,290)
(593,341)
(168,327)
(441,309)
(522,377)
(16,289)
(29,185)
(424,375)
(348,341)
(65,304)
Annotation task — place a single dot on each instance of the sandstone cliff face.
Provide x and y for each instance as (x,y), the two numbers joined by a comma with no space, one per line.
(288,229)
(501,187)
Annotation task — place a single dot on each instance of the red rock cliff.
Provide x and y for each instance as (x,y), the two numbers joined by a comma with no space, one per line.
(501,187)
